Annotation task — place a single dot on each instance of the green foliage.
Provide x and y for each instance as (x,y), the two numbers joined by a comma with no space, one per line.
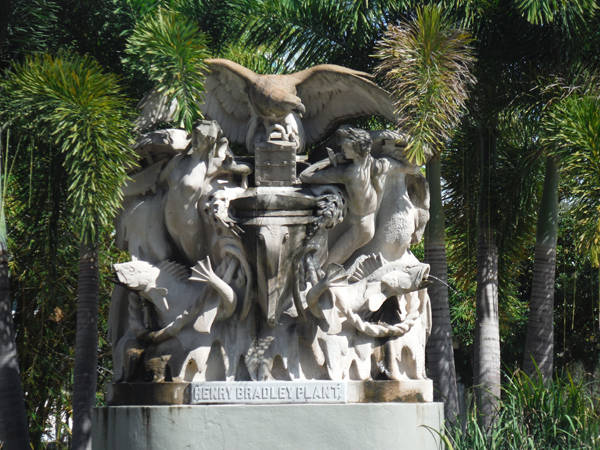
(426,64)
(222,21)
(95,28)
(139,9)
(515,187)
(45,253)
(539,12)
(300,34)
(532,415)
(70,102)
(31,26)
(259,62)
(576,298)
(44,247)
(572,130)
(171,50)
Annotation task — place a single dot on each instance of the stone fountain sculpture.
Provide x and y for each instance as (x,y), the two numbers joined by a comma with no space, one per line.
(247,269)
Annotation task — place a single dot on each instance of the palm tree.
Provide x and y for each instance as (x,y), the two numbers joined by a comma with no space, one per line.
(571,41)
(171,50)
(70,99)
(572,133)
(43,265)
(512,190)
(13,418)
(426,65)
(71,102)
(298,35)
(564,116)
(539,345)
(573,130)
(486,373)
(506,74)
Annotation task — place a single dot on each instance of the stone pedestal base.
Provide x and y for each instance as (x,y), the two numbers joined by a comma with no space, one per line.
(357,426)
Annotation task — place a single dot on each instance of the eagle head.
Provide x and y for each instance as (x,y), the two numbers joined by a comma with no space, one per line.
(274,98)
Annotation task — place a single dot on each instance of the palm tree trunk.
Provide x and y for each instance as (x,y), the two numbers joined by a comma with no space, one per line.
(440,354)
(14,430)
(13,418)
(86,345)
(539,346)
(486,372)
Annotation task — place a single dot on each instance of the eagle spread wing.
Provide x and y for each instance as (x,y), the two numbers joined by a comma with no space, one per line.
(155,108)
(225,100)
(333,93)
(328,93)
(226,97)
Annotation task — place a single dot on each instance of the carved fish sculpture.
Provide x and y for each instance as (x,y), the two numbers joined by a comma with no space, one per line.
(177,297)
(372,281)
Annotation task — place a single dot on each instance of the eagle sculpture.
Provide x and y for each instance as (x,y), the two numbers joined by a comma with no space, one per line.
(300,108)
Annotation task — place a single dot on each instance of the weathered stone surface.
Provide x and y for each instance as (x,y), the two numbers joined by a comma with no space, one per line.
(296,109)
(148,394)
(269,427)
(407,391)
(261,392)
(284,276)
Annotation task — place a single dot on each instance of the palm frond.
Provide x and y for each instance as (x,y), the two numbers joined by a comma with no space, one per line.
(171,50)
(539,12)
(310,32)
(426,64)
(572,129)
(222,21)
(31,25)
(70,102)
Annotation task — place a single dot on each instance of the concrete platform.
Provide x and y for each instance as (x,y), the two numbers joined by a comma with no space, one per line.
(357,426)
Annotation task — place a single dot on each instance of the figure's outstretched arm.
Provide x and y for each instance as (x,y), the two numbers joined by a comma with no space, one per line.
(322,173)
(402,164)
(173,328)
(202,272)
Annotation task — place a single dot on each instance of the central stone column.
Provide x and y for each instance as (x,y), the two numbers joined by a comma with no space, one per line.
(275,223)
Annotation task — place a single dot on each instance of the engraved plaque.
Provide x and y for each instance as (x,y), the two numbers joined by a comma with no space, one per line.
(258,392)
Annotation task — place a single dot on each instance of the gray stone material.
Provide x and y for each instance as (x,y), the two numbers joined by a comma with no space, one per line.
(298,108)
(296,274)
(271,303)
(261,392)
(269,427)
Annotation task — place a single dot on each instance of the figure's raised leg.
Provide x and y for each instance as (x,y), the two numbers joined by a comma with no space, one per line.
(359,234)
